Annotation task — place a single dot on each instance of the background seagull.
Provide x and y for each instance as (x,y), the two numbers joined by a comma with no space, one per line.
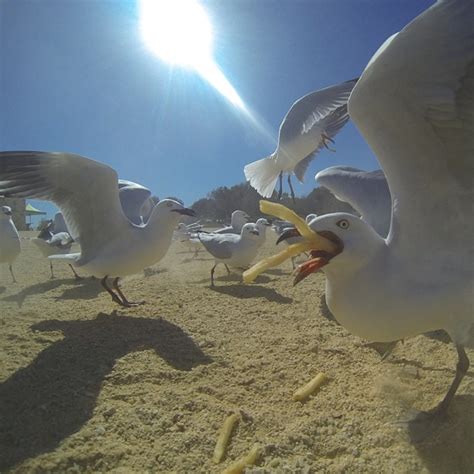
(310,124)
(366,191)
(87,194)
(9,239)
(237,221)
(414,104)
(232,249)
(49,244)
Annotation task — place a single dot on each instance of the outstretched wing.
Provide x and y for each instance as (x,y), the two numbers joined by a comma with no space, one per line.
(414,104)
(86,191)
(366,191)
(132,197)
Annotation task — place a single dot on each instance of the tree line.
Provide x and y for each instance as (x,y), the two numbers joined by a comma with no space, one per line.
(219,204)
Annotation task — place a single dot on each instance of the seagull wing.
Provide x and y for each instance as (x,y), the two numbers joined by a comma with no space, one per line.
(414,104)
(219,245)
(86,191)
(366,191)
(132,197)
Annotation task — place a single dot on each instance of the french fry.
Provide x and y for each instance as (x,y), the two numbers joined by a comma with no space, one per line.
(269,262)
(238,466)
(312,240)
(304,392)
(224,435)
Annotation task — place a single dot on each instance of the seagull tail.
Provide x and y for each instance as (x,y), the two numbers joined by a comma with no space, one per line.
(262,175)
(68,257)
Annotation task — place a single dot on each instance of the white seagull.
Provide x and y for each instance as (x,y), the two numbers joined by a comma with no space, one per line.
(9,239)
(414,104)
(232,249)
(311,122)
(237,221)
(49,243)
(87,194)
(366,191)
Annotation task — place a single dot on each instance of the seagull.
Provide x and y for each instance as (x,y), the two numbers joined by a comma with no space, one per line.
(188,234)
(310,124)
(414,104)
(136,201)
(366,191)
(9,239)
(232,249)
(237,220)
(262,225)
(87,194)
(49,244)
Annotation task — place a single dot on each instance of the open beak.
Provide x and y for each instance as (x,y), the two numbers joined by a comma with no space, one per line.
(185,211)
(255,232)
(318,258)
(8,213)
(287,234)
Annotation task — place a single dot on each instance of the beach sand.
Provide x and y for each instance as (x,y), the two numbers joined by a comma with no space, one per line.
(87,386)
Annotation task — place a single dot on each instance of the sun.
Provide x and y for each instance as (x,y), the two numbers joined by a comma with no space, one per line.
(180,33)
(177,31)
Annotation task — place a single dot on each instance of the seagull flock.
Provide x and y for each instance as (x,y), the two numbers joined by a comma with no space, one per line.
(403,266)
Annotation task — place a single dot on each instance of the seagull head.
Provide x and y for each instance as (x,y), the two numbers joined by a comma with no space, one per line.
(6,211)
(250,230)
(356,242)
(171,208)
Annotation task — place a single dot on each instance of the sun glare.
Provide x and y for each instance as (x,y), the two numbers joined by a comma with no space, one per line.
(178,31)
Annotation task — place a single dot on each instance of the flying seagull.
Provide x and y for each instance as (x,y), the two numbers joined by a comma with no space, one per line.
(310,124)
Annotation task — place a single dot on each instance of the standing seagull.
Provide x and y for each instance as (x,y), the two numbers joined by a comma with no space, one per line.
(311,122)
(86,191)
(366,191)
(49,243)
(414,104)
(9,239)
(232,249)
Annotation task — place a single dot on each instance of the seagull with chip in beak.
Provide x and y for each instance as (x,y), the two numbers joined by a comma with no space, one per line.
(87,194)
(414,104)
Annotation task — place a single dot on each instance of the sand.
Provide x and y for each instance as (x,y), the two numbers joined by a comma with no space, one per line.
(90,387)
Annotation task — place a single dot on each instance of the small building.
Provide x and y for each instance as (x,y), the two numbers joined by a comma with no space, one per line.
(18,207)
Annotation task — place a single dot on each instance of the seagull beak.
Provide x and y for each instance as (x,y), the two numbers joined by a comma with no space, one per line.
(255,232)
(318,258)
(247,218)
(8,213)
(287,234)
(185,211)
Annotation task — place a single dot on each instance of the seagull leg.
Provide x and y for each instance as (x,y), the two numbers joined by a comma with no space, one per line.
(227,268)
(115,298)
(291,188)
(212,274)
(327,139)
(461,369)
(280,180)
(51,268)
(11,271)
(126,303)
(75,273)
(422,424)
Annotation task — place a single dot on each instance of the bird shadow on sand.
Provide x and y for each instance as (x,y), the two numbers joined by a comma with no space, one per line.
(149,271)
(2,289)
(194,259)
(44,287)
(252,291)
(53,397)
(445,445)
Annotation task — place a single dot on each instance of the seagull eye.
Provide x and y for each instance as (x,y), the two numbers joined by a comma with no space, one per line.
(343,224)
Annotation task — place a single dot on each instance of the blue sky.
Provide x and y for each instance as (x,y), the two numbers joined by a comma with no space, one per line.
(76,76)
